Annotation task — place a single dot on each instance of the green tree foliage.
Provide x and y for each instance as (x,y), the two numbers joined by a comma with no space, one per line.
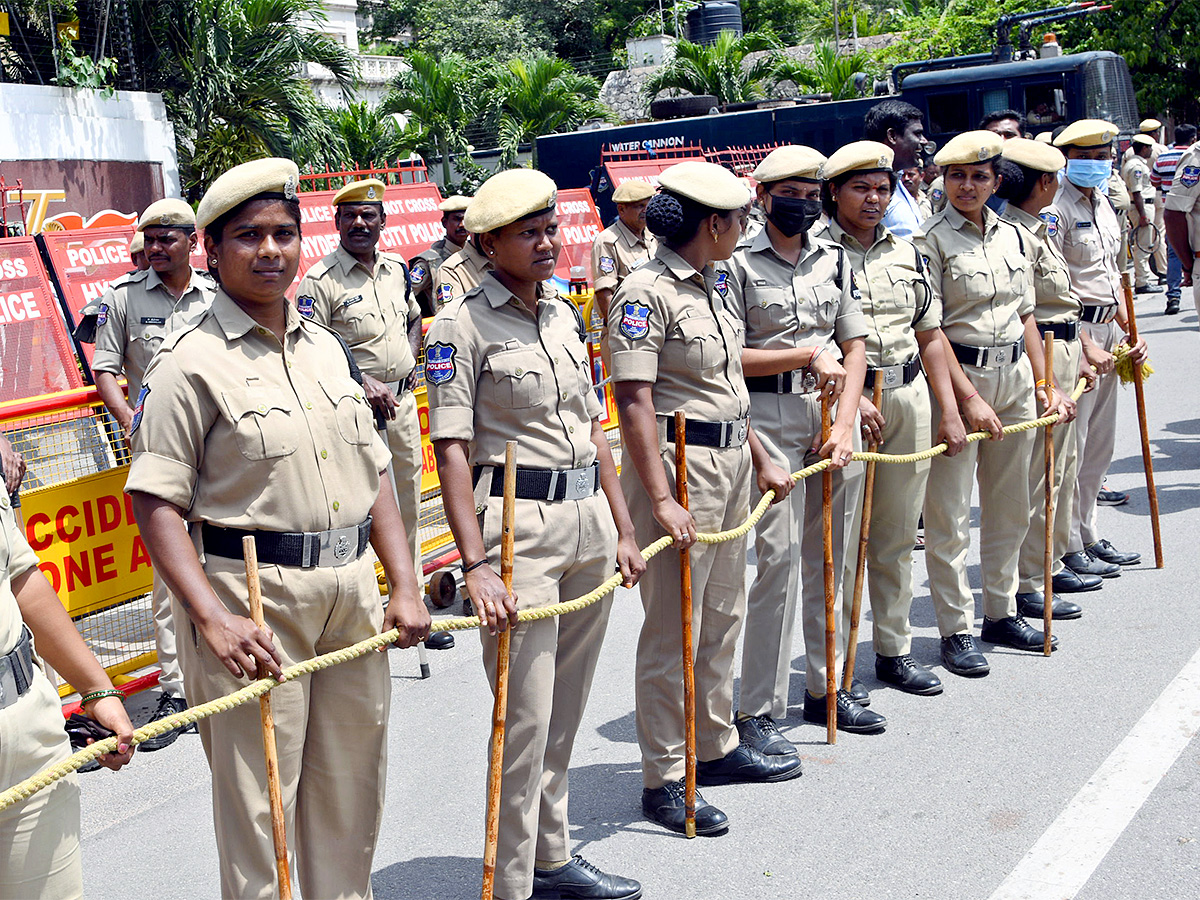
(484,29)
(826,73)
(435,93)
(721,69)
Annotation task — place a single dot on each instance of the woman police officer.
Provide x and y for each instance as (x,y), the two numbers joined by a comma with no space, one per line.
(507,361)
(900,335)
(983,298)
(249,422)
(676,345)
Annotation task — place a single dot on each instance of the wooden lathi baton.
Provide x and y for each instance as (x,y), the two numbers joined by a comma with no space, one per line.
(831,686)
(860,569)
(500,706)
(685,618)
(1048,458)
(270,753)
(1140,394)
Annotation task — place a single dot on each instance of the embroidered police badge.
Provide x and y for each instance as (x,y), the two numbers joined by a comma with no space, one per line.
(721,286)
(417,273)
(1051,221)
(304,305)
(635,320)
(137,408)
(608,265)
(1189,176)
(102,317)
(439,363)
(445,293)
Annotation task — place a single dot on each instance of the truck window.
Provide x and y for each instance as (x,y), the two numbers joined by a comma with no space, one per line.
(994,99)
(1108,93)
(949,113)
(1045,105)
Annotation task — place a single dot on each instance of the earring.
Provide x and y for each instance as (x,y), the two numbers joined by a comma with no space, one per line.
(212,261)
(714,234)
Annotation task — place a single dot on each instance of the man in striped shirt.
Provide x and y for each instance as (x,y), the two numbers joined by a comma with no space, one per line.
(1162,176)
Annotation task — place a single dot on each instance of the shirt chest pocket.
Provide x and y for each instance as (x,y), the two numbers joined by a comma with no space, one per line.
(266,424)
(767,308)
(1016,271)
(907,289)
(1050,279)
(148,332)
(968,278)
(700,342)
(520,378)
(579,357)
(362,319)
(350,409)
(828,297)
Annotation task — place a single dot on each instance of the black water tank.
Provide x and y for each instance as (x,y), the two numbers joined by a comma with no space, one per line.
(708,20)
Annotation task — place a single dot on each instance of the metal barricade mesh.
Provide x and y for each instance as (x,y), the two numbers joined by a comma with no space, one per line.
(61,446)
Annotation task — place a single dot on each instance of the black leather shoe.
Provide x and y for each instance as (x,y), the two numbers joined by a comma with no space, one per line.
(859,693)
(1014,632)
(579,878)
(906,673)
(1104,551)
(761,733)
(665,805)
(962,657)
(1083,563)
(1069,582)
(1105,497)
(851,716)
(168,705)
(439,640)
(746,765)
(1148,289)
(1030,605)
(1172,306)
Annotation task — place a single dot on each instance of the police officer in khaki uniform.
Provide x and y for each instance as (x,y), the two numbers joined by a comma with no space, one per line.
(983,297)
(1135,172)
(804,333)
(363,294)
(137,251)
(896,303)
(1084,226)
(251,423)
(676,345)
(1030,180)
(461,272)
(507,361)
(621,247)
(136,313)
(422,268)
(40,836)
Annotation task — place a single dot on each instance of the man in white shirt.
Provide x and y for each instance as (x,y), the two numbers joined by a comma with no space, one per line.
(900,126)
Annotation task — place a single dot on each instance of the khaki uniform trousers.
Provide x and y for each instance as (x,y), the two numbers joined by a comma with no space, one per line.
(896,503)
(1095,438)
(39,839)
(1067,355)
(561,550)
(789,545)
(719,498)
(171,678)
(331,729)
(1160,244)
(403,437)
(1141,247)
(1002,469)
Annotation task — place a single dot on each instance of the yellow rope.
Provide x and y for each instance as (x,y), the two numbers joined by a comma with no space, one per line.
(43,779)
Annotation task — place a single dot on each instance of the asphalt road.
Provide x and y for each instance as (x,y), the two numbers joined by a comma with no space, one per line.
(946,803)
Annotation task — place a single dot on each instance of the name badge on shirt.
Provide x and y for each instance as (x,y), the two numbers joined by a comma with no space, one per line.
(1082,225)
(153,320)
(350,301)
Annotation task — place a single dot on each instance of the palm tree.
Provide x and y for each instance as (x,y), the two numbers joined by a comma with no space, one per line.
(539,95)
(721,69)
(436,95)
(827,73)
(365,137)
(234,81)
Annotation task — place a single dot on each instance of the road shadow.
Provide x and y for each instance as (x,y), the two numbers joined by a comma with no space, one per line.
(606,798)
(620,731)
(440,877)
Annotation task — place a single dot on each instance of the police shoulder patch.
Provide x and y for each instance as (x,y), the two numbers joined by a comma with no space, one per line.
(608,265)
(1189,176)
(417,272)
(721,285)
(102,316)
(937,194)
(304,305)
(440,366)
(635,320)
(1051,221)
(445,293)
(137,408)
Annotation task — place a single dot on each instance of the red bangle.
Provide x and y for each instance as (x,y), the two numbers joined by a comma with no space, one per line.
(969,396)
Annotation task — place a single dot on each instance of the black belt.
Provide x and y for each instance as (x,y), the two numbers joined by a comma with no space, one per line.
(16,670)
(545,484)
(284,548)
(712,434)
(1062,331)
(988,357)
(800,381)
(894,376)
(1098,315)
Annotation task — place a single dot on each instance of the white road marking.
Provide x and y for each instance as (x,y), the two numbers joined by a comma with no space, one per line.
(1067,854)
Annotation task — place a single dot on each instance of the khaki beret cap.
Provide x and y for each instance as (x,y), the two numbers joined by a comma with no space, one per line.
(369,190)
(260,176)
(865,156)
(454,203)
(789,161)
(633,191)
(508,196)
(1034,155)
(166,214)
(1087,133)
(1149,125)
(970,147)
(138,244)
(706,183)
(1045,137)
(1143,139)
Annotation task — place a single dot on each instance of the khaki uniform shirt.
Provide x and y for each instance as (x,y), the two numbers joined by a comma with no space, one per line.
(787,306)
(370,310)
(981,283)
(1118,193)
(241,431)
(895,299)
(423,267)
(937,195)
(1185,190)
(16,558)
(1136,174)
(673,327)
(1089,236)
(495,371)
(616,252)
(136,314)
(1053,300)
(461,272)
